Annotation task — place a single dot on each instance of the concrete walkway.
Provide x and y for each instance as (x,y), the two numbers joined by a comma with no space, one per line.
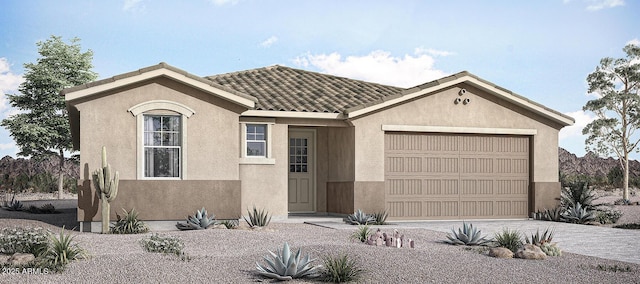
(603,242)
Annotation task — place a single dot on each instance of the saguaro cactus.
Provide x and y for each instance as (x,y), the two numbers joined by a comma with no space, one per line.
(106,187)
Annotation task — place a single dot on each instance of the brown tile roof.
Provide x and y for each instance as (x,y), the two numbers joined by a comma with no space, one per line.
(280,88)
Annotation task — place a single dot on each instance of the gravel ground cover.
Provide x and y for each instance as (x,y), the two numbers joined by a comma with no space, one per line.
(229,256)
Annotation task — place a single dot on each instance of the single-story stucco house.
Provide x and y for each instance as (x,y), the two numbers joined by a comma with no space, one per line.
(294,141)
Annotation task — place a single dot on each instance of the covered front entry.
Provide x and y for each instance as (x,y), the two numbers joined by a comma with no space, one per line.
(302,170)
(454,176)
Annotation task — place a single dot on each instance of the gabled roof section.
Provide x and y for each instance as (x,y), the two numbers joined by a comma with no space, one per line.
(285,89)
(458,78)
(159,70)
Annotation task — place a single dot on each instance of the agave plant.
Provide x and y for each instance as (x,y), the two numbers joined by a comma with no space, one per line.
(283,265)
(553,214)
(201,220)
(578,214)
(230,224)
(360,218)
(130,224)
(13,205)
(380,217)
(257,218)
(467,235)
(578,193)
(539,240)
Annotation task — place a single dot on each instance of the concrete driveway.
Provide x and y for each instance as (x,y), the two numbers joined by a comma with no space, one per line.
(603,242)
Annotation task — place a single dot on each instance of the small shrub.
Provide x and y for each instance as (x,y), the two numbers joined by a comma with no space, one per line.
(339,269)
(164,244)
(230,224)
(44,209)
(257,218)
(509,239)
(25,240)
(130,224)
(467,235)
(62,251)
(380,218)
(608,216)
(632,226)
(622,201)
(613,268)
(201,220)
(283,265)
(359,218)
(361,234)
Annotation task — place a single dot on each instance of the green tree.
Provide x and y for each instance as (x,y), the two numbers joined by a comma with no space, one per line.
(616,82)
(41,128)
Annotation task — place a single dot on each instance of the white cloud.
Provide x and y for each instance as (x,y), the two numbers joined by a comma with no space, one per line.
(634,41)
(7,146)
(133,5)
(224,2)
(431,51)
(9,83)
(378,66)
(595,5)
(582,119)
(268,42)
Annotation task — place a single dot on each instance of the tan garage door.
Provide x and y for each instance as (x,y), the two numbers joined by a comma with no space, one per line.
(444,176)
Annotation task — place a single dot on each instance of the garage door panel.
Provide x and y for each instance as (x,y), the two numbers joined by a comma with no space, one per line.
(439,176)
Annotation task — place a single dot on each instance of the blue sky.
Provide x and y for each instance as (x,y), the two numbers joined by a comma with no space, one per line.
(542,50)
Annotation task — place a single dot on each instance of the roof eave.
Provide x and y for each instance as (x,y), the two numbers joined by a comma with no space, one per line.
(159,70)
(462,77)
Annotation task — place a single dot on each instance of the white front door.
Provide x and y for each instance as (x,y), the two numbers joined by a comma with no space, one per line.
(301,170)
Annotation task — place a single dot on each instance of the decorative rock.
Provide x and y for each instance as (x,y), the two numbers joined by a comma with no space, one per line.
(21,258)
(4,259)
(530,251)
(500,252)
(383,239)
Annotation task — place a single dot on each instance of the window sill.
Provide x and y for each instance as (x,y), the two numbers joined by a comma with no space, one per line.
(257,161)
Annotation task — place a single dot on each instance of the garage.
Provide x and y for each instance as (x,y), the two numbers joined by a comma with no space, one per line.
(456,176)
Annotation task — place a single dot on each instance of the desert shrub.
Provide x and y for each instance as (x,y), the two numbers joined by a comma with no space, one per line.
(608,216)
(380,218)
(613,268)
(361,234)
(615,176)
(540,239)
(339,269)
(25,240)
(62,251)
(510,239)
(44,209)
(257,218)
(164,244)
(71,185)
(467,235)
(130,224)
(230,224)
(632,226)
(43,182)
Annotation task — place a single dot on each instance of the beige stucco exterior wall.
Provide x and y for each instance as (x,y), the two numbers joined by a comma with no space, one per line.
(212,143)
(438,109)
(265,186)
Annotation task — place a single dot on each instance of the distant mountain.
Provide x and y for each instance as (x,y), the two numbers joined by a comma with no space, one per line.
(591,164)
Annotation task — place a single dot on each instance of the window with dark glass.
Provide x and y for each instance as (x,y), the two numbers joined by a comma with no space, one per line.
(256,140)
(162,145)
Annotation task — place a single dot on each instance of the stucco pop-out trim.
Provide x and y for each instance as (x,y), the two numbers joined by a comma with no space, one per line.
(161,104)
(293,114)
(469,130)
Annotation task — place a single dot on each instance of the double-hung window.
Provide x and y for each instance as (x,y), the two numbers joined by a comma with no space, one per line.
(162,146)
(256,140)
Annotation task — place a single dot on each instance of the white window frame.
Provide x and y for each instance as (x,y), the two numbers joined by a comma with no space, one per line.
(160,107)
(256,160)
(179,147)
